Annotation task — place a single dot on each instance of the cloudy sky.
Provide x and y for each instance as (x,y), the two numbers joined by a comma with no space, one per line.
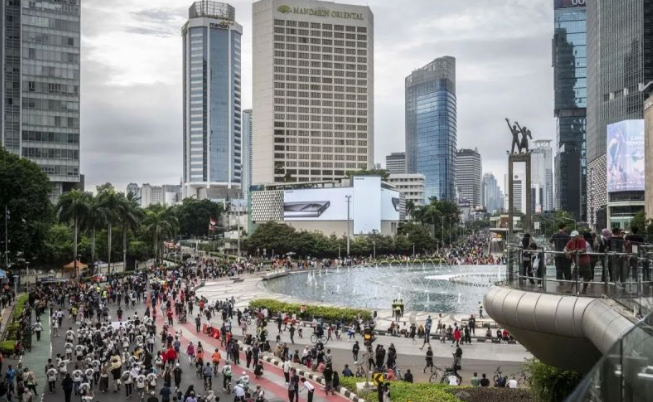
(131,77)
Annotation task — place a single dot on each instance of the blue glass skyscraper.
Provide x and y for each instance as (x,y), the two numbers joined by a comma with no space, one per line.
(212,102)
(431,127)
(570,82)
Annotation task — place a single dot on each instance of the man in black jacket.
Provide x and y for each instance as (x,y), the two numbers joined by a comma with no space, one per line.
(563,265)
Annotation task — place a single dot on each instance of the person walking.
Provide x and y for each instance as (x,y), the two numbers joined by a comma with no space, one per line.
(310,389)
(429,360)
(286,370)
(355,351)
(38,327)
(293,392)
(559,240)
(67,385)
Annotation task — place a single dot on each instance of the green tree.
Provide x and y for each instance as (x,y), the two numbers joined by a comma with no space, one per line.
(372,172)
(272,236)
(194,216)
(73,208)
(93,221)
(129,215)
(159,223)
(644,226)
(25,192)
(109,208)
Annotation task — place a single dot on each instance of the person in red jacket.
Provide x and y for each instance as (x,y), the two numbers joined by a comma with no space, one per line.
(171,356)
(576,252)
(457,336)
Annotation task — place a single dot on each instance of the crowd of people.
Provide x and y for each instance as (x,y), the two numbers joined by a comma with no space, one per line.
(470,251)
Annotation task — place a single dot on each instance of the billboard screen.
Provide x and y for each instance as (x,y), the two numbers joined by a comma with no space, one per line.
(367,204)
(329,204)
(568,3)
(390,205)
(625,156)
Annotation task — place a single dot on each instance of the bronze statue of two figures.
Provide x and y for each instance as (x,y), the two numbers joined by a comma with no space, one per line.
(516,130)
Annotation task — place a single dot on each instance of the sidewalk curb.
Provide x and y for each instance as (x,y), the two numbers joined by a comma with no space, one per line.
(310,375)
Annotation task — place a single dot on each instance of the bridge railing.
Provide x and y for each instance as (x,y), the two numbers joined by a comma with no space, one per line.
(624,277)
(625,373)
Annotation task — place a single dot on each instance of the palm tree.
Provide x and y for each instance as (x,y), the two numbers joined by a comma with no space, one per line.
(93,221)
(73,206)
(159,223)
(130,215)
(108,208)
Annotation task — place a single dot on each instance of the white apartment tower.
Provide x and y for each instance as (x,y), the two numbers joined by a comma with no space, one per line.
(313,90)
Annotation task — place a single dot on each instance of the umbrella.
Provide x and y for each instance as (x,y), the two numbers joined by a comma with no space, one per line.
(71,265)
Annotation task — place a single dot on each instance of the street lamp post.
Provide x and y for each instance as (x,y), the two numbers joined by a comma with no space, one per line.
(374,249)
(348,197)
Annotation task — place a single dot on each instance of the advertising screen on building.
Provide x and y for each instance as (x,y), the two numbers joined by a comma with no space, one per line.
(328,204)
(390,205)
(625,156)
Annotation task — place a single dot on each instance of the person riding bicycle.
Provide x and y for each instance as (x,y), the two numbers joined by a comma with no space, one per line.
(208,373)
(244,380)
(319,330)
(215,357)
(456,364)
(226,375)
(239,391)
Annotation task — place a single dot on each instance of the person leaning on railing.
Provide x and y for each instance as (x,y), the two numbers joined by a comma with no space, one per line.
(632,243)
(528,244)
(576,250)
(563,266)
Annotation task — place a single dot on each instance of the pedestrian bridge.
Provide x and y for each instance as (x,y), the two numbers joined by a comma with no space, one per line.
(556,320)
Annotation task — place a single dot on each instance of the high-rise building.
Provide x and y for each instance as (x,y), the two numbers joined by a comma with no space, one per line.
(39,86)
(247,150)
(620,57)
(167,194)
(519,196)
(469,176)
(491,196)
(431,127)
(570,102)
(212,99)
(411,185)
(395,163)
(313,90)
(542,176)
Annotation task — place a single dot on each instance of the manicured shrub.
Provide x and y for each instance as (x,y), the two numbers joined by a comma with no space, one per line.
(327,313)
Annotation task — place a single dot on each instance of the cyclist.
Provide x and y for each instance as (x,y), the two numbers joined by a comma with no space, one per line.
(319,330)
(208,373)
(199,360)
(226,376)
(215,357)
(239,391)
(244,380)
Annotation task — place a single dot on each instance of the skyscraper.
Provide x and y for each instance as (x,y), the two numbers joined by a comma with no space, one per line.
(247,149)
(491,195)
(212,102)
(431,126)
(313,90)
(620,56)
(39,86)
(542,176)
(468,176)
(395,163)
(570,84)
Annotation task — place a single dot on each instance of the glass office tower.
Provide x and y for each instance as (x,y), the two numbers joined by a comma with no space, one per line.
(431,127)
(620,56)
(212,102)
(570,84)
(39,97)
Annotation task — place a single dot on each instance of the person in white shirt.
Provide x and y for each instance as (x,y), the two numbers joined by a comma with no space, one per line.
(310,389)
(512,383)
(286,370)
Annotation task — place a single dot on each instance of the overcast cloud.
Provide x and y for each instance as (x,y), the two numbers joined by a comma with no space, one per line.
(132,77)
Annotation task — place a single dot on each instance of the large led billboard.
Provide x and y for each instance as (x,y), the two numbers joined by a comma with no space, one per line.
(625,156)
(368,204)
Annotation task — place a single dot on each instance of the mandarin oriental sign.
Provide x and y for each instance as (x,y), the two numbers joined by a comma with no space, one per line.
(320,12)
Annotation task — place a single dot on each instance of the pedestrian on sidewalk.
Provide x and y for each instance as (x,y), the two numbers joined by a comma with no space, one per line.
(286,370)
(429,360)
(38,327)
(355,351)
(310,389)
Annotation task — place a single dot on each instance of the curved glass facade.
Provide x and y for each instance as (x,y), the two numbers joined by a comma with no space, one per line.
(431,127)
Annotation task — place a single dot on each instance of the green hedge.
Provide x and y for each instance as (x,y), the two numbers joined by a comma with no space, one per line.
(327,313)
(402,391)
(7,347)
(551,384)
(484,394)
(20,306)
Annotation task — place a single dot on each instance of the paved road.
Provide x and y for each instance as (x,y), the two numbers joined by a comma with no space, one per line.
(273,381)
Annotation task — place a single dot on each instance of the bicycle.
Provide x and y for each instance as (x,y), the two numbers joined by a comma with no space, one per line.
(448,372)
(228,389)
(215,368)
(433,379)
(207,383)
(315,339)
